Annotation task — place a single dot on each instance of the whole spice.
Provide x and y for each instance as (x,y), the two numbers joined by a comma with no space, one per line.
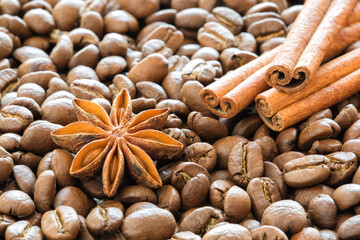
(106,142)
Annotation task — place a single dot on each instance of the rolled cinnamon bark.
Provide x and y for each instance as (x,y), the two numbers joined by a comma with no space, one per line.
(324,98)
(282,74)
(242,95)
(345,38)
(211,94)
(271,101)
(355,15)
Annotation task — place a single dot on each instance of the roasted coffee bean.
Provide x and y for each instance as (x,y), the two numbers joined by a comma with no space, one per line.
(353,132)
(322,211)
(187,50)
(326,113)
(81,72)
(5,222)
(164,15)
(177,63)
(218,191)
(121,81)
(10,141)
(247,126)
(342,167)
(240,5)
(14,118)
(120,21)
(44,191)
(139,206)
(352,146)
(305,195)
(328,234)
(28,103)
(232,58)
(156,46)
(346,117)
(271,44)
(306,171)
(25,53)
(169,199)
(206,53)
(308,232)
(228,230)
(325,146)
(349,228)
(110,66)
(267,28)
(282,159)
(141,224)
(29,159)
(23,230)
(199,70)
(263,192)
(24,178)
(201,153)
(16,203)
(227,17)
(6,165)
(141,104)
(268,147)
(253,17)
(289,15)
(191,18)
(223,148)
(346,196)
(208,128)
(75,198)
(215,35)
(61,223)
(93,187)
(113,44)
(245,163)
(89,89)
(262,131)
(191,96)
(200,220)
(153,90)
(274,173)
(186,235)
(287,215)
(268,232)
(104,220)
(133,194)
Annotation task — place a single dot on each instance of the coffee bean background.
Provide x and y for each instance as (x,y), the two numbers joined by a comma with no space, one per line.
(234,179)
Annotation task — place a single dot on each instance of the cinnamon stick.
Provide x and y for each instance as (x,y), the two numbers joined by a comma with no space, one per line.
(324,98)
(290,72)
(345,38)
(271,101)
(211,94)
(355,15)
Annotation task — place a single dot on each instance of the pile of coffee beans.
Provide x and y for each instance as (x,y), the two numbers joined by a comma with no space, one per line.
(234,179)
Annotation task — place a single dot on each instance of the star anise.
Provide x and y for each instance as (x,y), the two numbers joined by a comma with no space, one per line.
(103,141)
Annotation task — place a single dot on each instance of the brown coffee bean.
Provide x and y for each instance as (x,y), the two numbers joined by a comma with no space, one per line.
(269,148)
(6,45)
(5,222)
(93,21)
(25,53)
(113,44)
(133,194)
(268,232)
(44,191)
(141,224)
(16,203)
(139,8)
(346,196)
(282,159)
(317,130)
(309,232)
(108,67)
(37,139)
(139,206)
(81,72)
(349,228)
(121,81)
(267,28)
(287,215)
(245,163)
(59,111)
(191,18)
(206,53)
(286,140)
(263,7)
(232,58)
(191,96)
(143,71)
(304,195)
(6,165)
(191,136)
(215,35)
(247,126)
(208,128)
(188,49)
(32,90)
(228,230)
(89,89)
(326,113)
(328,234)
(29,159)
(306,171)
(289,15)
(28,103)
(93,187)
(35,65)
(24,178)
(112,203)
(37,41)
(353,132)
(141,104)
(156,46)
(172,85)
(153,90)
(271,44)
(199,70)
(164,15)
(200,220)
(346,117)
(81,37)
(120,21)
(263,192)
(352,146)
(23,230)
(227,17)
(274,173)
(84,233)
(322,211)
(201,153)
(246,42)
(104,220)
(218,191)
(62,52)
(342,167)
(177,63)
(325,146)
(73,197)
(223,148)
(10,142)
(240,6)
(253,17)
(186,235)
(169,199)
(61,223)
(174,122)
(87,56)
(15,118)
(40,21)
